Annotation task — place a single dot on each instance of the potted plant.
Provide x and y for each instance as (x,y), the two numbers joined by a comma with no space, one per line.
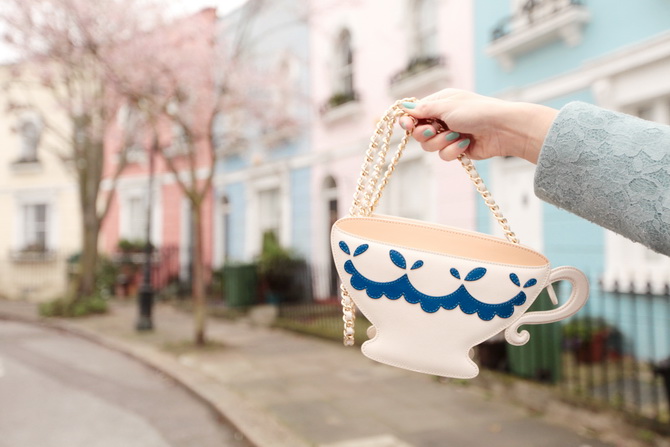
(592,339)
(280,271)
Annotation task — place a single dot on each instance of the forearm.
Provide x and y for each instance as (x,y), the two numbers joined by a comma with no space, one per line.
(611,169)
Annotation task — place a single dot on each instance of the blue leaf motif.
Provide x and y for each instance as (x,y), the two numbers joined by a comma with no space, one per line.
(398,259)
(455,273)
(344,247)
(515,279)
(417,264)
(530,283)
(476,274)
(361,249)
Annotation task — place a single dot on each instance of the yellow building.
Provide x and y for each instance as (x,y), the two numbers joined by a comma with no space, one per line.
(40,223)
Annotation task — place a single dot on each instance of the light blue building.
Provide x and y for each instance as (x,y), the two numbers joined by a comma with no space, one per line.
(262,183)
(612,54)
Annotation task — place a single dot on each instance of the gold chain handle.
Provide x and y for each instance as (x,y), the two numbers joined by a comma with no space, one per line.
(371,184)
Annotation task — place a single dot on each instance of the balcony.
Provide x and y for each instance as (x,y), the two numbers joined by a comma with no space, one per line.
(341,106)
(536,24)
(421,76)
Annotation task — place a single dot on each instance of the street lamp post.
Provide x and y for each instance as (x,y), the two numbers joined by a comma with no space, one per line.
(146,292)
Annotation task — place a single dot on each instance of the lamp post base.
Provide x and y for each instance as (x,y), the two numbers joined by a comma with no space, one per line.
(146,300)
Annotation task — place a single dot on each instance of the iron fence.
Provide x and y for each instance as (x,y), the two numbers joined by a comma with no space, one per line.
(615,352)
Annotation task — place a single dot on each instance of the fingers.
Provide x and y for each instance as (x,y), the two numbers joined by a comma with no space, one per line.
(453,150)
(449,145)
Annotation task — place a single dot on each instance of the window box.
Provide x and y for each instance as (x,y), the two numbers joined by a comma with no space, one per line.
(428,73)
(341,106)
(32,255)
(538,23)
(27,165)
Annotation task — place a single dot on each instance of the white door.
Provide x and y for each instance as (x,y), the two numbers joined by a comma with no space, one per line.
(512,187)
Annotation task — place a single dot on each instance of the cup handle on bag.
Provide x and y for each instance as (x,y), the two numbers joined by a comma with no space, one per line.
(578,297)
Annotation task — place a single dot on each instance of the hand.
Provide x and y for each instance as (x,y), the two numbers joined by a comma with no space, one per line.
(479,126)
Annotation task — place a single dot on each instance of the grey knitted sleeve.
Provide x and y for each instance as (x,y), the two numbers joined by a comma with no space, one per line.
(610,168)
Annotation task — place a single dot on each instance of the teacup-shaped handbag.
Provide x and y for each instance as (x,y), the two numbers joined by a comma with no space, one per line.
(434,292)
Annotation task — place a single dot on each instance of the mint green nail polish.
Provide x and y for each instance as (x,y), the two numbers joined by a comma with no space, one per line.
(463,144)
(428,133)
(451,136)
(408,105)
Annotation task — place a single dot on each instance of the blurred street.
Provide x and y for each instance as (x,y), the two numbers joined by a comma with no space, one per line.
(58,390)
(279,388)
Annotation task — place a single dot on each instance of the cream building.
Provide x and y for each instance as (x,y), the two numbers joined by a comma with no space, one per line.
(39,228)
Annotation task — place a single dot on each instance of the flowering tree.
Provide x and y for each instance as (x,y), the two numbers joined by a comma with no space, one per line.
(205,97)
(64,47)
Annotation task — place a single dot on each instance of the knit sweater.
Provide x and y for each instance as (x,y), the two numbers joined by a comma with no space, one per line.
(611,169)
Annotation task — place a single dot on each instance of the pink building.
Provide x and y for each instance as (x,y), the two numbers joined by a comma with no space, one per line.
(171,220)
(364,56)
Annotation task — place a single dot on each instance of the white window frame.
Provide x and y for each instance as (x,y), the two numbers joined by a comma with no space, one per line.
(28,198)
(343,81)
(424,30)
(272,180)
(29,154)
(138,190)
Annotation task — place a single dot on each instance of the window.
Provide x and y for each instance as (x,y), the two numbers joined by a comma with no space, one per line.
(424,28)
(134,216)
(137,212)
(129,119)
(344,70)
(269,212)
(30,133)
(35,227)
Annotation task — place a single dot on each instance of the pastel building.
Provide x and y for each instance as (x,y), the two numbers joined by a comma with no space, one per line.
(553,52)
(137,190)
(364,56)
(40,225)
(262,182)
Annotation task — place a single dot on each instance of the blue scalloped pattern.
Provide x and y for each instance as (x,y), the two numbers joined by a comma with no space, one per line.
(402,286)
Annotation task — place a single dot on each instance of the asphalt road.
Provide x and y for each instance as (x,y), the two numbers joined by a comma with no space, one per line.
(58,390)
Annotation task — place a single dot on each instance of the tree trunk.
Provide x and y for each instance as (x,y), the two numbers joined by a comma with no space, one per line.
(198,281)
(89,254)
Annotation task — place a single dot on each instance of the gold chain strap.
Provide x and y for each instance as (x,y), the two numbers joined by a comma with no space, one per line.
(371,183)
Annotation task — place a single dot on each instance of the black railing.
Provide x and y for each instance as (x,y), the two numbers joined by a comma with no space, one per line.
(615,352)
(531,13)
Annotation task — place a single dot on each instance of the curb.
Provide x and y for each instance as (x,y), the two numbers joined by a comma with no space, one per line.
(256,426)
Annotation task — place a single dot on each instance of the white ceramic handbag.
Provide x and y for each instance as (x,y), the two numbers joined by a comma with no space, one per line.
(434,292)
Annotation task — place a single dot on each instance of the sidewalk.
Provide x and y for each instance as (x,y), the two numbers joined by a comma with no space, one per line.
(283,389)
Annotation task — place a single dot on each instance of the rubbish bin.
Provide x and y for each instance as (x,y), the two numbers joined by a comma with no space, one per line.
(540,358)
(240,285)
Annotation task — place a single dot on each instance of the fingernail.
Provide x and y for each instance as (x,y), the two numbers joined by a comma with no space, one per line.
(465,143)
(428,133)
(451,136)
(402,124)
(408,105)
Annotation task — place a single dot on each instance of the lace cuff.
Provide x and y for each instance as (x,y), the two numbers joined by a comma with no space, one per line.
(611,169)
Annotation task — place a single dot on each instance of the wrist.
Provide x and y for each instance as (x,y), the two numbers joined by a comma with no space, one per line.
(532,123)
